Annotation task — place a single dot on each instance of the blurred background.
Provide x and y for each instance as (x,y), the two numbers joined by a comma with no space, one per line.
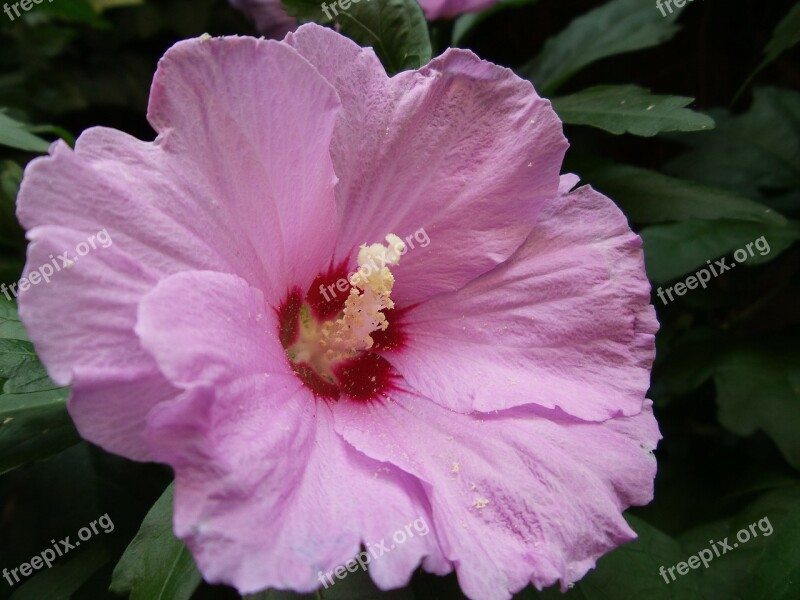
(726,383)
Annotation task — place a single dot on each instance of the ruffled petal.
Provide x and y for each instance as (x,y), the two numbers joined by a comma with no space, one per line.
(254,451)
(251,121)
(566,323)
(219,189)
(462,149)
(238,119)
(81,322)
(207,328)
(268,495)
(527,495)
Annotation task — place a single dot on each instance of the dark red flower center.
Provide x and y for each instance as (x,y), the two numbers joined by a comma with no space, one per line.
(308,332)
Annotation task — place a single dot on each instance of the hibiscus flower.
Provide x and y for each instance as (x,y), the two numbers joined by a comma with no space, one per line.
(483,373)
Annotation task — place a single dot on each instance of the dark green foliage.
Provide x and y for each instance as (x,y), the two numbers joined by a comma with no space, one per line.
(690,122)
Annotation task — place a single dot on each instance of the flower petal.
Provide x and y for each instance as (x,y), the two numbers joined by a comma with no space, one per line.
(566,323)
(206,328)
(238,120)
(462,148)
(82,325)
(219,188)
(256,460)
(255,451)
(252,121)
(527,495)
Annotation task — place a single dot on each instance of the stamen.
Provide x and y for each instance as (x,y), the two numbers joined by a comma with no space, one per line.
(370,294)
(322,345)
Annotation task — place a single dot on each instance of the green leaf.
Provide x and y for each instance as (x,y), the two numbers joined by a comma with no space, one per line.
(10,180)
(307,11)
(101,5)
(685,362)
(649,197)
(12,237)
(16,135)
(617,27)
(34,426)
(675,249)
(757,150)
(396,29)
(632,571)
(34,423)
(77,11)
(156,565)
(777,571)
(11,234)
(622,109)
(10,326)
(758,388)
(785,36)
(55,129)
(730,574)
(21,369)
(63,579)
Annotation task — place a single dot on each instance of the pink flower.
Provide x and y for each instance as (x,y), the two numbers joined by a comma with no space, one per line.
(268,15)
(501,400)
